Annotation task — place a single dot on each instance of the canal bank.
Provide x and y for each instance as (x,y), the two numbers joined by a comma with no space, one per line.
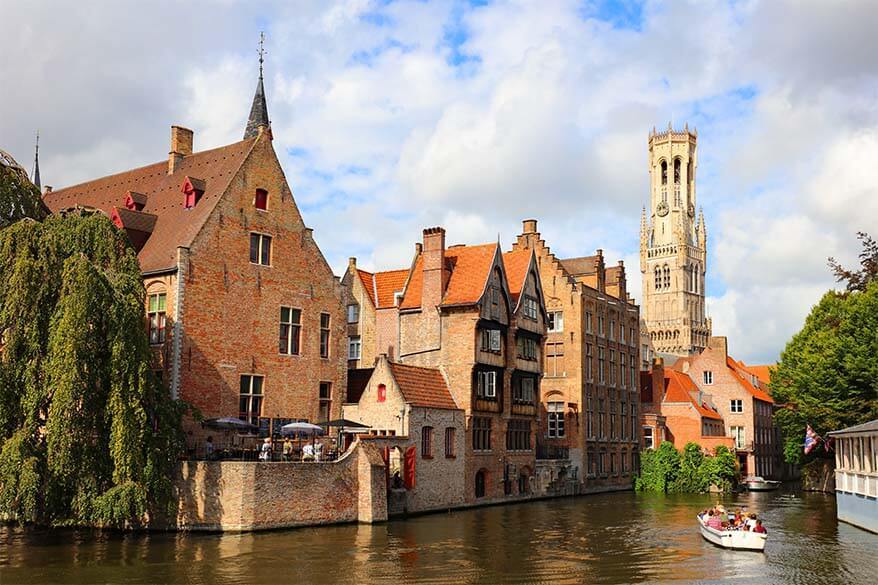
(610,538)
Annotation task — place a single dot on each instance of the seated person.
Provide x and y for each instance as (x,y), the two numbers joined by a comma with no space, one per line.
(713,521)
(308,452)
(759,528)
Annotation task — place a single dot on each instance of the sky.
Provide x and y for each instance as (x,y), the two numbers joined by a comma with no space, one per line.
(392,116)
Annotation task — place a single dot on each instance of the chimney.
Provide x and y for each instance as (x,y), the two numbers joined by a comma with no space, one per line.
(720,344)
(352,265)
(529,226)
(658,379)
(181,145)
(435,273)
(47,189)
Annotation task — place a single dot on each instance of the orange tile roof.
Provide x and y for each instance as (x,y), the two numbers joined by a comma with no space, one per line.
(424,387)
(470,267)
(761,372)
(516,264)
(367,279)
(175,225)
(679,387)
(757,393)
(387,284)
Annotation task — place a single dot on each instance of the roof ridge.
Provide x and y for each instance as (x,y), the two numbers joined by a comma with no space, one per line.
(146,166)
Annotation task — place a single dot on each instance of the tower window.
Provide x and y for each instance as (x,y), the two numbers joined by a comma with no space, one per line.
(667,282)
(664,172)
(676,171)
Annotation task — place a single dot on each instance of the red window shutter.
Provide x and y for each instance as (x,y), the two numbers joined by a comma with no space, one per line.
(409,470)
(261,200)
(382,392)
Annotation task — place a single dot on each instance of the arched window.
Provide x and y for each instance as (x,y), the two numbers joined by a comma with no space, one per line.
(658,278)
(676,171)
(667,282)
(481,483)
(664,172)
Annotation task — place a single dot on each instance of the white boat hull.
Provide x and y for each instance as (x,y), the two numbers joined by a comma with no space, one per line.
(757,484)
(733,539)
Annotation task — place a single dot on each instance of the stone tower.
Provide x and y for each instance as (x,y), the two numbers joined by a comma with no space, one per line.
(673,247)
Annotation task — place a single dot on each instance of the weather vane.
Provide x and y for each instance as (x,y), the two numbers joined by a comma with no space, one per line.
(261,51)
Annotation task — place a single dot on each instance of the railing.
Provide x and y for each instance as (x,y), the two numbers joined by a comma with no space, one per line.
(552,451)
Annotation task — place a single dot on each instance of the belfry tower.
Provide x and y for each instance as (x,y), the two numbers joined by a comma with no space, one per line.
(673,247)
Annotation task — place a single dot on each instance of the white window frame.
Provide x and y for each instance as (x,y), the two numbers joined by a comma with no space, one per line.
(530,308)
(556,322)
(707,376)
(648,438)
(353,313)
(355,347)
(487,383)
(740,436)
(555,427)
(736,406)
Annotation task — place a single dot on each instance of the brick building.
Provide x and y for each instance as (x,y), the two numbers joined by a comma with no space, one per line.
(674,409)
(414,402)
(372,316)
(744,404)
(590,391)
(477,315)
(243,312)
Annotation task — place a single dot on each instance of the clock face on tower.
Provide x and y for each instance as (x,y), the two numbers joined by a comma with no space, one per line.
(662,209)
(691,210)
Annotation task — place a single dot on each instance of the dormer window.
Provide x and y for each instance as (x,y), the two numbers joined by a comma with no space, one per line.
(260,201)
(135,201)
(192,189)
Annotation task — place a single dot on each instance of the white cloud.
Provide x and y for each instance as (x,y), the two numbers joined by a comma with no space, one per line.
(389,117)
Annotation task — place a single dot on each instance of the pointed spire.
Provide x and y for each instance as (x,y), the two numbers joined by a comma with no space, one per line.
(36,175)
(259,110)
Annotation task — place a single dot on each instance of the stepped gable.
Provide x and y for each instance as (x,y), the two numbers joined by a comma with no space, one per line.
(175,225)
(757,393)
(423,387)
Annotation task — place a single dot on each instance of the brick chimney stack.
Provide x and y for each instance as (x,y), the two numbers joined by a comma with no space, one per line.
(435,273)
(181,146)
(720,344)
(529,226)
(658,379)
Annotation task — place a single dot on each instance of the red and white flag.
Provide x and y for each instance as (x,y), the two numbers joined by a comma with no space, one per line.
(811,439)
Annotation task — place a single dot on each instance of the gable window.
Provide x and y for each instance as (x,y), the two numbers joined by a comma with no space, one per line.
(260,249)
(708,377)
(325,398)
(157,317)
(518,435)
(353,313)
(491,340)
(250,403)
(523,391)
(486,387)
(427,442)
(449,442)
(737,406)
(260,200)
(290,330)
(481,433)
(495,301)
(324,335)
(648,440)
(354,348)
(556,322)
(556,420)
(530,308)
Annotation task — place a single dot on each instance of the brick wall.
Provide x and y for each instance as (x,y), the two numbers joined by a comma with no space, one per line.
(244,495)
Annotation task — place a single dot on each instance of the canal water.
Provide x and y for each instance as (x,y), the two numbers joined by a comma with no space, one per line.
(612,538)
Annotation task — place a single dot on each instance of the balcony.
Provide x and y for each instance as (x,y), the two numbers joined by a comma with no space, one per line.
(552,451)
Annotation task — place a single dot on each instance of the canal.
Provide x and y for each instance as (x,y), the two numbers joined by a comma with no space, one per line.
(613,538)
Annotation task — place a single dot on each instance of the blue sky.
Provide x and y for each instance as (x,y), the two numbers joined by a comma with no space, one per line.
(391,116)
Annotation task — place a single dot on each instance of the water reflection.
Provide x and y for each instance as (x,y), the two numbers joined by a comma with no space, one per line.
(619,538)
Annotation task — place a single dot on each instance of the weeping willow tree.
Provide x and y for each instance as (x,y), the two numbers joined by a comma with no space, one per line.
(88,435)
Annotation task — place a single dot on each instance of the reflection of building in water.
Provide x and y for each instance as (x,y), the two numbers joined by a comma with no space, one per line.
(856,475)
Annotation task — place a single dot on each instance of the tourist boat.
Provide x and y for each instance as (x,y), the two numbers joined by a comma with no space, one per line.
(733,539)
(754,483)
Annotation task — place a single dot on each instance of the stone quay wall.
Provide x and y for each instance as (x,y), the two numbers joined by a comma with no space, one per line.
(239,496)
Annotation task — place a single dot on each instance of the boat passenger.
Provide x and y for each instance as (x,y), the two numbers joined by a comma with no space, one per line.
(713,521)
(759,528)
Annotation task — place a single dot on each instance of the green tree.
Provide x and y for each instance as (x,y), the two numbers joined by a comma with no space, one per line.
(828,373)
(87,432)
(19,198)
(666,470)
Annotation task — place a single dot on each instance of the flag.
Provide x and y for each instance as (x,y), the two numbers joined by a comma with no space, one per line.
(811,439)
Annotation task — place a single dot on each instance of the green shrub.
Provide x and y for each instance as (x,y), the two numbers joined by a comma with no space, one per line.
(665,470)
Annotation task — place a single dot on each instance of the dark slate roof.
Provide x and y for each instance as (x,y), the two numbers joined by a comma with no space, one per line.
(871,426)
(258,112)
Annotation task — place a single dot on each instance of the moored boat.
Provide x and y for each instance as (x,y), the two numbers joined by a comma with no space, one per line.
(754,483)
(733,539)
